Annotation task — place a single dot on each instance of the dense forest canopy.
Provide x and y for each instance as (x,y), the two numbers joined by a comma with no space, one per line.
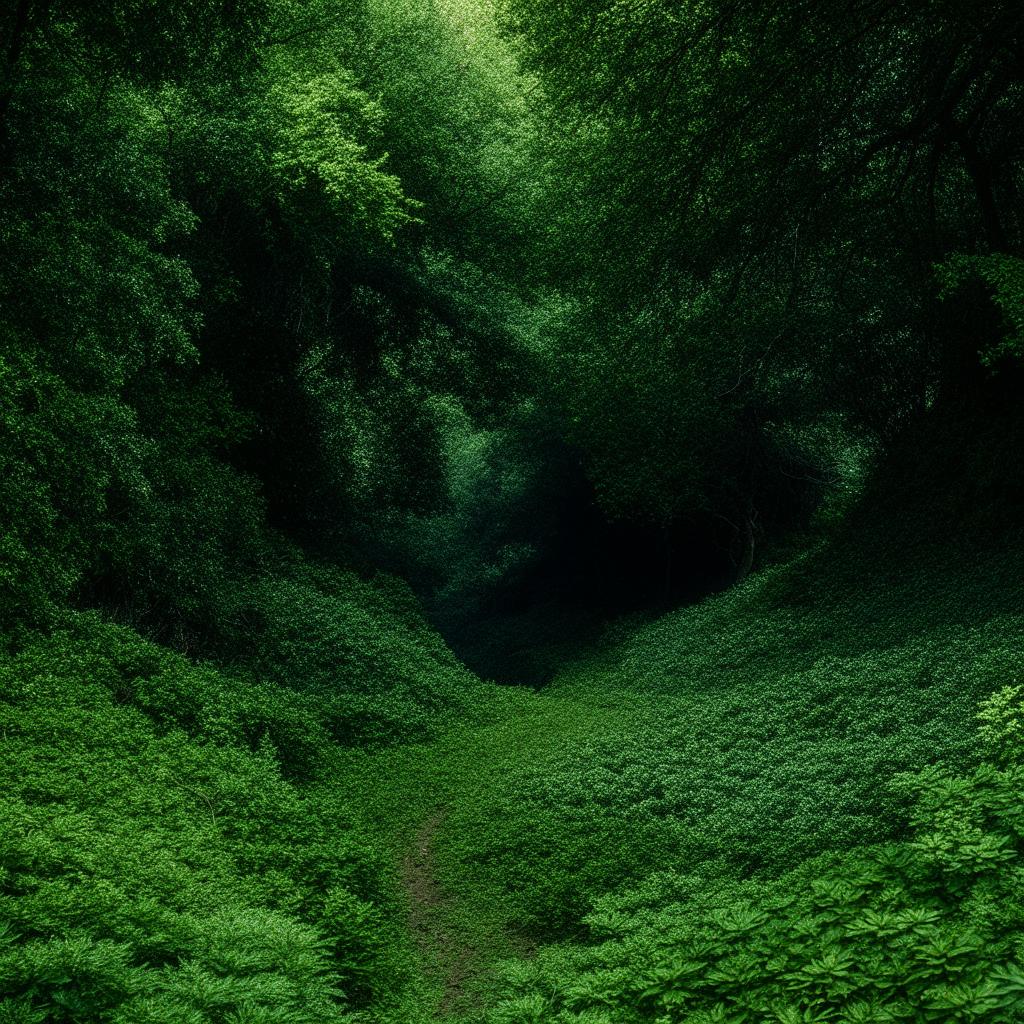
(328,266)
(228,304)
(357,353)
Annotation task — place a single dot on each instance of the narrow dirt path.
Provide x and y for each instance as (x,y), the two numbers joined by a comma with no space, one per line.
(450,960)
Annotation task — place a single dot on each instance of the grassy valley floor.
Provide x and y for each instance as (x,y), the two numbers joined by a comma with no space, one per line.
(778,806)
(724,745)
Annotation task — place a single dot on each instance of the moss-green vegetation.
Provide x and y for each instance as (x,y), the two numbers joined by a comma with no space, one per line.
(686,767)
(665,829)
(162,859)
(660,360)
(157,863)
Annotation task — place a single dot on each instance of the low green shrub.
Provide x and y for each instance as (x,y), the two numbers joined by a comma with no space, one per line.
(927,929)
(746,734)
(155,863)
(360,652)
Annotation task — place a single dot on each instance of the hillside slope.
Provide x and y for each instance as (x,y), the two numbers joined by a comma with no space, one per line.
(716,749)
(162,856)
(772,805)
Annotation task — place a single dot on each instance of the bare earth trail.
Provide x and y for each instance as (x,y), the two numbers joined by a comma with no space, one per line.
(452,962)
(462,925)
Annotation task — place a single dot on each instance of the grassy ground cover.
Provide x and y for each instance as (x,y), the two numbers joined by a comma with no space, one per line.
(723,746)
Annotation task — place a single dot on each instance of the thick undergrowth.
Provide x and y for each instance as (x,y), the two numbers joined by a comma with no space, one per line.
(716,815)
(510,512)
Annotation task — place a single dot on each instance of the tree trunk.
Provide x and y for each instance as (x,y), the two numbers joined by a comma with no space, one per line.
(746,562)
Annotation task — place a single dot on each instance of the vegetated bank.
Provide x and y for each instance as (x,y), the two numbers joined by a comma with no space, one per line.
(779,801)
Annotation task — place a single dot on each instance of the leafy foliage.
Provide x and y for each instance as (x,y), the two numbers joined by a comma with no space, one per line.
(758,195)
(750,733)
(1004,274)
(310,311)
(928,929)
(156,865)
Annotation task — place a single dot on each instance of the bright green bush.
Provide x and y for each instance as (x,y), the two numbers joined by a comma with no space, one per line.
(155,864)
(929,929)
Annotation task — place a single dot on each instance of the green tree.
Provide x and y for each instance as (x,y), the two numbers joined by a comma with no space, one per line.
(754,199)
